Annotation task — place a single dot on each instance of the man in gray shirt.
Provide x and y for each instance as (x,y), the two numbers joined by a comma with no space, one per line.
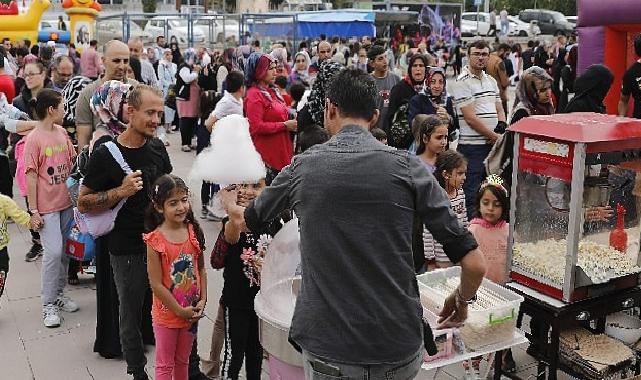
(385,80)
(359,305)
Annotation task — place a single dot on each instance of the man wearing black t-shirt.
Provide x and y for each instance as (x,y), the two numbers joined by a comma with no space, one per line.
(104,185)
(632,84)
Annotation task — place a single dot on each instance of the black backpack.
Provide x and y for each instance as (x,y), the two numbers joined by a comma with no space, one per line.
(400,131)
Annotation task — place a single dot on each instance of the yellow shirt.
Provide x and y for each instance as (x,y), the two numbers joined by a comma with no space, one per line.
(9,209)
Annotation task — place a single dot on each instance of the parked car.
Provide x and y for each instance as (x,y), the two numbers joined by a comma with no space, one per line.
(517,27)
(522,29)
(231,31)
(550,22)
(52,24)
(572,20)
(175,28)
(111,29)
(469,23)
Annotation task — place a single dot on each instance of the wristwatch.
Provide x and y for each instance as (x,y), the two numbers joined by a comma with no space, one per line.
(460,298)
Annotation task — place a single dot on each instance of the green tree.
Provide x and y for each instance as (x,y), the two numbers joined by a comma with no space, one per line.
(149,6)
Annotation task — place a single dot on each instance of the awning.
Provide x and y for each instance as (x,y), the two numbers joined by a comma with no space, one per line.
(313,24)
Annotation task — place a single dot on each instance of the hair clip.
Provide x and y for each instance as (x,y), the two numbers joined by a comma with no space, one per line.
(156,190)
(496,181)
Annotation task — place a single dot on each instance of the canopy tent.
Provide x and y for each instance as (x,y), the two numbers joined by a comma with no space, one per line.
(344,23)
(336,23)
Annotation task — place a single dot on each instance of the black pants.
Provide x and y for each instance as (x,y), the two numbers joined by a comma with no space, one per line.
(187,129)
(241,342)
(4,260)
(207,189)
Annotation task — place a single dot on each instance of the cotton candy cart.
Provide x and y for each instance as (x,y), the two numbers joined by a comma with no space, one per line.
(274,303)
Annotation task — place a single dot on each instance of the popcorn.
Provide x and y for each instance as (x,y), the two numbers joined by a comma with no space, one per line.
(546,259)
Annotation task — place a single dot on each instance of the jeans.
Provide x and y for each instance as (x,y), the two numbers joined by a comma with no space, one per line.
(475,155)
(172,352)
(187,129)
(130,276)
(54,262)
(319,369)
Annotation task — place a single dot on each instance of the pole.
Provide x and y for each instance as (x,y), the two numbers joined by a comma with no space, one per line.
(477,19)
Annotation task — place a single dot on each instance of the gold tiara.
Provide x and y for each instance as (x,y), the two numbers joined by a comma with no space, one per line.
(496,181)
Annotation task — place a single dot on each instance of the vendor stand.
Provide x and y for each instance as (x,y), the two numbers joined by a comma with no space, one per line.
(570,259)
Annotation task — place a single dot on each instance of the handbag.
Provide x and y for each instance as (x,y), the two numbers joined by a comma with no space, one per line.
(80,246)
(101,223)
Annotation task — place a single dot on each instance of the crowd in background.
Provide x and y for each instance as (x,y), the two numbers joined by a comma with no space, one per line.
(448,105)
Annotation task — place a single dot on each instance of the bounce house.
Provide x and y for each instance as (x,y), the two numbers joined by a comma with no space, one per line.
(21,26)
(82,17)
(606,35)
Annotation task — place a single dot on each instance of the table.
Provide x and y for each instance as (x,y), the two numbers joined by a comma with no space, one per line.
(559,315)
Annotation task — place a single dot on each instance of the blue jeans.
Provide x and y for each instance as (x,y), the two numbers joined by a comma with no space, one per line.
(317,369)
(475,155)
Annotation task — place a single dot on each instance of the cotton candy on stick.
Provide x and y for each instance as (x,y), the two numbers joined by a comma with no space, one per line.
(232,156)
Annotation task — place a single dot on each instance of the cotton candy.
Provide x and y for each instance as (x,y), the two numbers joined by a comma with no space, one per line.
(232,157)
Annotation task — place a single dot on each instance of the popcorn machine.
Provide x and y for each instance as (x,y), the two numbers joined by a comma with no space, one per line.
(575,210)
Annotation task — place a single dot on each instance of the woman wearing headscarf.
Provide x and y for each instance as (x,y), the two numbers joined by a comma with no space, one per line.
(70,94)
(533,94)
(188,98)
(300,73)
(167,79)
(316,100)
(433,100)
(108,103)
(279,54)
(568,76)
(399,99)
(268,116)
(224,67)
(591,88)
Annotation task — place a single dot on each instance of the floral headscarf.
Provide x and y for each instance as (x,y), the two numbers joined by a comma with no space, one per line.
(428,91)
(107,102)
(527,91)
(328,70)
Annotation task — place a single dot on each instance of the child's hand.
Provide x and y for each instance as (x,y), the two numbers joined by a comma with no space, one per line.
(190,312)
(36,222)
(228,197)
(200,306)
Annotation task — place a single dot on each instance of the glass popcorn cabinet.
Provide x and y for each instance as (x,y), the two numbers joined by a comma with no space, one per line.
(575,204)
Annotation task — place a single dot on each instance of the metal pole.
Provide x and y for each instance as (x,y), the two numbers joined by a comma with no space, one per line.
(477,20)
(190,30)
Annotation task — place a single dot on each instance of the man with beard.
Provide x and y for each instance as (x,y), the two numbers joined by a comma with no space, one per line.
(105,184)
(61,72)
(116,61)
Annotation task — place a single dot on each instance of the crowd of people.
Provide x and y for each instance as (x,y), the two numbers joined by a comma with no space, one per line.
(423,136)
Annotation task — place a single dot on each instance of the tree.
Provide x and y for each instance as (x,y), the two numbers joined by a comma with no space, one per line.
(149,6)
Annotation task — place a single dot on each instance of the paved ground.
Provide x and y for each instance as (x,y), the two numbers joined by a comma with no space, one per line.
(31,351)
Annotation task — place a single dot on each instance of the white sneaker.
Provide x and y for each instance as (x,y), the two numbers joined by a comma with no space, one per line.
(51,315)
(66,304)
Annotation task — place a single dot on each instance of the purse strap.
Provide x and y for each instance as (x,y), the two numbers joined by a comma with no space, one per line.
(117,155)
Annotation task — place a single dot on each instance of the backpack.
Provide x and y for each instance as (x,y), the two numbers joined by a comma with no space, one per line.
(400,131)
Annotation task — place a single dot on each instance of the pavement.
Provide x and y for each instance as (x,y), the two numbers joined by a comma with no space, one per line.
(31,351)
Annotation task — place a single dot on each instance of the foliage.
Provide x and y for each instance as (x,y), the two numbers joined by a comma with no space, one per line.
(567,7)
(149,6)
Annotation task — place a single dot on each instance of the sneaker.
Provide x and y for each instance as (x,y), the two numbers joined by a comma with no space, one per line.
(51,315)
(91,269)
(3,278)
(34,252)
(66,304)
(186,148)
(213,218)
(204,212)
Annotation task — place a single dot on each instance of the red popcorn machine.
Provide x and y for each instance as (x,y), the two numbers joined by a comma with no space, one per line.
(575,210)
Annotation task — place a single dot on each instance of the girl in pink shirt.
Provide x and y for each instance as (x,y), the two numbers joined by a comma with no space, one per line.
(490,227)
(177,275)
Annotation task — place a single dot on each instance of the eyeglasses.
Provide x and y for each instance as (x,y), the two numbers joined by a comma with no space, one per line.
(29,75)
(480,55)
(117,61)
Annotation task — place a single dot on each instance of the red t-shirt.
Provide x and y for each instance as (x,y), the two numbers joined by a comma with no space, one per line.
(7,87)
